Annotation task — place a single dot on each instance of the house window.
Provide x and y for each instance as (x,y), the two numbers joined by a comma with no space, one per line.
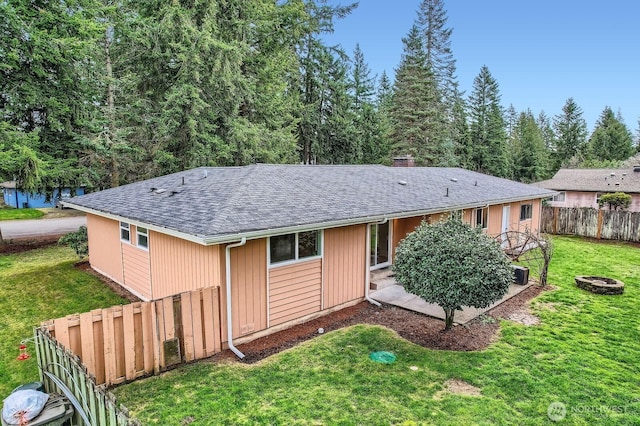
(526,211)
(560,197)
(125,234)
(142,235)
(292,247)
(481,217)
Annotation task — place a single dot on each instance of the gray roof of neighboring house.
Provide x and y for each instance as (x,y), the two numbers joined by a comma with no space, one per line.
(594,180)
(213,202)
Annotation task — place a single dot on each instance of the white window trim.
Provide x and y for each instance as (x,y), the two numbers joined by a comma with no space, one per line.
(296,260)
(146,234)
(125,226)
(564,197)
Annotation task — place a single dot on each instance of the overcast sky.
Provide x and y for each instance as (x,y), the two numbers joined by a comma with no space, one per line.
(540,52)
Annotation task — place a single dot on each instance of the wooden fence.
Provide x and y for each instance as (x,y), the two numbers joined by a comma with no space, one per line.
(62,372)
(588,222)
(123,343)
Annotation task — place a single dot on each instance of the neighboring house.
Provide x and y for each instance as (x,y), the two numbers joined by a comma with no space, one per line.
(284,243)
(584,187)
(20,199)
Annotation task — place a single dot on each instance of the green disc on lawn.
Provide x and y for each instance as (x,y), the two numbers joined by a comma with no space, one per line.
(383,357)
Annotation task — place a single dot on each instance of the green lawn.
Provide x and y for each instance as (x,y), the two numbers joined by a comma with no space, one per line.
(35,286)
(14,214)
(585,354)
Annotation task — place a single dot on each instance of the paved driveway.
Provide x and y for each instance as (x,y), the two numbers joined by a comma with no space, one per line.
(16,229)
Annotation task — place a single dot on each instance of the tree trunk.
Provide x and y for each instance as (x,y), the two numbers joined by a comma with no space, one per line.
(448,318)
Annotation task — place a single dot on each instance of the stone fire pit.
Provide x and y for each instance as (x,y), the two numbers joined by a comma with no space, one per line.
(600,285)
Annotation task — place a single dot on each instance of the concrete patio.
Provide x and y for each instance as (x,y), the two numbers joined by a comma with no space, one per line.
(386,290)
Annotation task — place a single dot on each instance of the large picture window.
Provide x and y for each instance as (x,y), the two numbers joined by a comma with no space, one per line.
(291,247)
(526,211)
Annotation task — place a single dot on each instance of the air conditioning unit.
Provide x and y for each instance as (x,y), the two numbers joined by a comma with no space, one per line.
(520,274)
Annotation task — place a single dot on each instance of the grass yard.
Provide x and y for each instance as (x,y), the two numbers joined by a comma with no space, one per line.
(16,214)
(35,286)
(585,354)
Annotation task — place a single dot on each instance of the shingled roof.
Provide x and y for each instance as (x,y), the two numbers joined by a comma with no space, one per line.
(216,204)
(594,180)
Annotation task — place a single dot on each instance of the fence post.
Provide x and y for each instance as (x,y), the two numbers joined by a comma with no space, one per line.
(599,230)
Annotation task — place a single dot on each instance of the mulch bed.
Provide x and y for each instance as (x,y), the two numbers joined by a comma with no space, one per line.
(18,246)
(418,328)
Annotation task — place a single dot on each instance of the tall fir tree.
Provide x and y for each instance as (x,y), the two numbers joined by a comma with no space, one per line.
(530,159)
(46,85)
(487,126)
(432,23)
(611,139)
(368,128)
(571,133)
(318,65)
(416,111)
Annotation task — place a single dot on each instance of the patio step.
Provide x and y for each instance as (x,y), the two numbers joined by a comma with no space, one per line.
(379,274)
(382,278)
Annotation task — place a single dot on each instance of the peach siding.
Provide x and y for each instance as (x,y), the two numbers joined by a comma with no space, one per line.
(104,247)
(345,257)
(179,265)
(137,273)
(588,199)
(515,224)
(249,287)
(294,291)
(403,227)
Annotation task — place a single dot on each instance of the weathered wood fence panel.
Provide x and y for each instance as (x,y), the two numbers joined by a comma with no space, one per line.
(123,343)
(62,372)
(587,222)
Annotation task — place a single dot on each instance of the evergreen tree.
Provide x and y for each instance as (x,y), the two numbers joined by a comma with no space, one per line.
(530,159)
(487,126)
(571,133)
(46,89)
(379,151)
(369,131)
(432,23)
(461,134)
(611,139)
(415,112)
(318,65)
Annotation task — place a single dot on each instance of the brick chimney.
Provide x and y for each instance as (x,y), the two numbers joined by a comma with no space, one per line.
(404,161)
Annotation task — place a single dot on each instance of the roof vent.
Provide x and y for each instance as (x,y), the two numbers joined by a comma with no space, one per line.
(636,169)
(160,190)
(206,173)
(617,183)
(624,174)
(613,173)
(454,180)
(402,182)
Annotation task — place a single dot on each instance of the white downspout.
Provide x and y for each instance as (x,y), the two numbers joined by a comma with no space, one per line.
(367,280)
(228,271)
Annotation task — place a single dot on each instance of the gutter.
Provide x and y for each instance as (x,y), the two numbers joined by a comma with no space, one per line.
(222,239)
(228,283)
